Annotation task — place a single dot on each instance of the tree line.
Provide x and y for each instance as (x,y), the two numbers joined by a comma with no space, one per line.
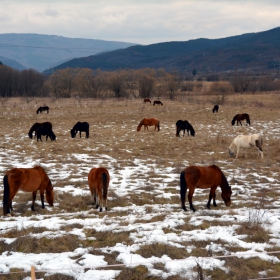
(141,83)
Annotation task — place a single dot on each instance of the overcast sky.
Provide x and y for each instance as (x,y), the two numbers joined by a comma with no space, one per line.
(139,21)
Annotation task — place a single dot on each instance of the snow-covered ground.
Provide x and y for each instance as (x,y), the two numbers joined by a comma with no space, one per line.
(147,224)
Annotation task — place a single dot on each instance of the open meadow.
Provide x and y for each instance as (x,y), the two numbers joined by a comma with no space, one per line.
(144,234)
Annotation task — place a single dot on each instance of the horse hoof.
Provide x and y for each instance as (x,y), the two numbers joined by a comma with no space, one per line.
(184,208)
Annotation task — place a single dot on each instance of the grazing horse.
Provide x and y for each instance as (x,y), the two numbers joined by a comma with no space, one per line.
(45,131)
(204,177)
(239,117)
(147,100)
(35,126)
(184,125)
(98,181)
(215,109)
(81,127)
(148,122)
(246,141)
(157,102)
(28,180)
(41,109)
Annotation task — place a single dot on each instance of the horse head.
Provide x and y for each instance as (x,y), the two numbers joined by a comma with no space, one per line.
(30,135)
(226,194)
(230,152)
(49,193)
(73,133)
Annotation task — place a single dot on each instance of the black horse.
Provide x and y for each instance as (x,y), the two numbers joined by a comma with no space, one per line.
(36,125)
(157,102)
(41,109)
(215,109)
(240,117)
(45,131)
(82,127)
(184,125)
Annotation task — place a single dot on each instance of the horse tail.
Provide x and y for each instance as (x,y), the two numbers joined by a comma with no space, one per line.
(6,195)
(105,185)
(259,143)
(183,189)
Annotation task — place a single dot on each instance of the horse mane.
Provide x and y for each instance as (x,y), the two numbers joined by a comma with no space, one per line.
(140,124)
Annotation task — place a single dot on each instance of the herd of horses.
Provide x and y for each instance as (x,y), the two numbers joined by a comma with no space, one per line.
(158,102)
(36,179)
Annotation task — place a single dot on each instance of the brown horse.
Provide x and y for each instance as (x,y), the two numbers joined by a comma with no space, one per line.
(157,102)
(147,100)
(240,117)
(148,122)
(36,125)
(28,180)
(98,181)
(204,177)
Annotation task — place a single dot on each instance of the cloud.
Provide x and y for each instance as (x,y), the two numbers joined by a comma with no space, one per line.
(143,21)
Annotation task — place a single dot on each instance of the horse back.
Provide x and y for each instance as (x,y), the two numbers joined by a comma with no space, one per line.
(96,178)
(203,177)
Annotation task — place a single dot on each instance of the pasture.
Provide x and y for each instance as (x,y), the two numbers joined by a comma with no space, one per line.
(144,234)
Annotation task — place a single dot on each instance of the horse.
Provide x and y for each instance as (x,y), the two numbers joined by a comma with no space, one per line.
(41,109)
(45,131)
(204,177)
(98,181)
(148,122)
(246,141)
(82,127)
(239,117)
(215,109)
(147,100)
(28,180)
(36,125)
(184,125)
(157,102)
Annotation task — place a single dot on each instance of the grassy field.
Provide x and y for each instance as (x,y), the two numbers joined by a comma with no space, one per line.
(144,168)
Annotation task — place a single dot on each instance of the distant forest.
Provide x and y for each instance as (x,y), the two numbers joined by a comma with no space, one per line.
(142,83)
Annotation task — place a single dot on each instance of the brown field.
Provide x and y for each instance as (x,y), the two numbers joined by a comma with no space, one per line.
(115,144)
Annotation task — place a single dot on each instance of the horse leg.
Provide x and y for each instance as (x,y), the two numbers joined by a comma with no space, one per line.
(33,200)
(80,134)
(190,195)
(212,194)
(100,200)
(93,197)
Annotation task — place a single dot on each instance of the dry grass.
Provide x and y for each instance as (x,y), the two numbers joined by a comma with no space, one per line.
(113,134)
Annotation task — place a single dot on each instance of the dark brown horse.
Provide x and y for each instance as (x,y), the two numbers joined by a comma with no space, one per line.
(28,180)
(184,125)
(215,109)
(204,177)
(36,125)
(98,181)
(157,102)
(148,122)
(240,117)
(41,109)
(147,100)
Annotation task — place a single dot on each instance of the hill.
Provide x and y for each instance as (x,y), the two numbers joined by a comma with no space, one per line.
(253,51)
(41,52)
(12,63)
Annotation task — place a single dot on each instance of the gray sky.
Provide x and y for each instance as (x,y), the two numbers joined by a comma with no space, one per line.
(139,21)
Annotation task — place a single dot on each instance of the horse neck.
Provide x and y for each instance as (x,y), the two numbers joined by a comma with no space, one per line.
(224,183)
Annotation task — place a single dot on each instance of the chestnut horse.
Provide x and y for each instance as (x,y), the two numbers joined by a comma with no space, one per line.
(157,102)
(204,177)
(147,100)
(239,117)
(98,181)
(41,109)
(27,180)
(36,125)
(246,141)
(148,122)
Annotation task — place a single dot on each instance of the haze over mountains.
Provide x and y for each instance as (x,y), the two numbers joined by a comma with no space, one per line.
(42,52)
(255,52)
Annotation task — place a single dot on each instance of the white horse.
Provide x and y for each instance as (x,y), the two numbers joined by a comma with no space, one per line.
(246,141)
